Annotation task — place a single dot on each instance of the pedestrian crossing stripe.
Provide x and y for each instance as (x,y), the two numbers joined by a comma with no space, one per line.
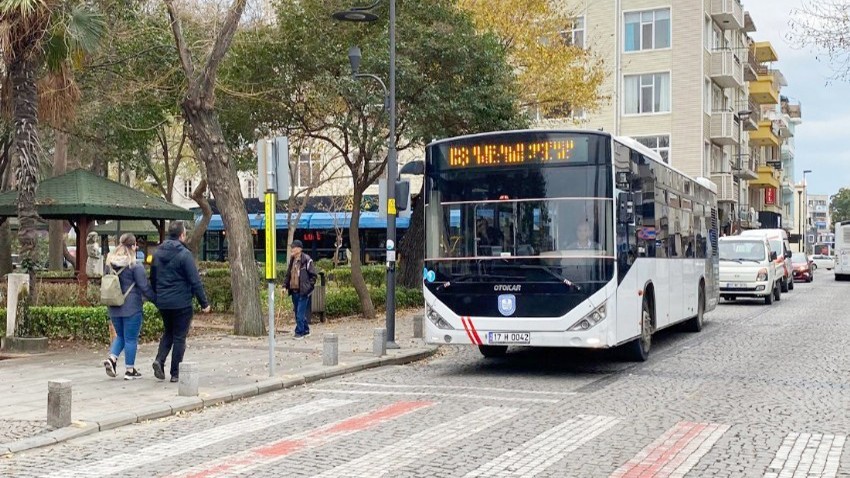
(806,455)
(271,453)
(116,464)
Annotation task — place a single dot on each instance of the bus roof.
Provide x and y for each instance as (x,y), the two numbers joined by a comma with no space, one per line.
(624,140)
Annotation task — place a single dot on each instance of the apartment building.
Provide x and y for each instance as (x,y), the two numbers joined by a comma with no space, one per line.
(819,224)
(687,81)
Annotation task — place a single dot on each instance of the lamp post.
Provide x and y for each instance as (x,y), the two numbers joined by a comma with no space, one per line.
(364,14)
(742,115)
(803,231)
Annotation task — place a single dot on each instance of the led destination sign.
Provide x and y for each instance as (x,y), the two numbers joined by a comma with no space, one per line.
(501,153)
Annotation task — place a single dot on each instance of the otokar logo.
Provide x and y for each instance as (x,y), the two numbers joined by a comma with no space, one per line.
(507,288)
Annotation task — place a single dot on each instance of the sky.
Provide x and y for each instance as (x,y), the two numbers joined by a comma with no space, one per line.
(823,139)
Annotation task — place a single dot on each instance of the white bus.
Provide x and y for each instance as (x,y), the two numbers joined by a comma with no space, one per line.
(842,250)
(563,239)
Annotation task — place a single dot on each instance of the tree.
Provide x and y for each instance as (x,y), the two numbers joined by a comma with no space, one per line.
(825,25)
(35,34)
(208,142)
(839,206)
(556,77)
(450,80)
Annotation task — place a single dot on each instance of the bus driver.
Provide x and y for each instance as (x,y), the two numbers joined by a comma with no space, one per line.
(584,231)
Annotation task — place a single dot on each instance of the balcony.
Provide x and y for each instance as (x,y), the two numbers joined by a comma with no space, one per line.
(768,177)
(793,110)
(726,68)
(727,190)
(729,14)
(724,128)
(786,152)
(751,121)
(764,52)
(766,135)
(746,168)
(749,25)
(765,89)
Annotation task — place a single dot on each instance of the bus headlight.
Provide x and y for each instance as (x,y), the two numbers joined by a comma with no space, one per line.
(597,315)
(762,275)
(435,319)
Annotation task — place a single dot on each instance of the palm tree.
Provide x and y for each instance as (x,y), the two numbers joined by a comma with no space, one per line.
(40,40)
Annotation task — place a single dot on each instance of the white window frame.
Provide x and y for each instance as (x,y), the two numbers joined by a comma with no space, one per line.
(641,47)
(250,187)
(569,34)
(641,86)
(658,149)
(188,187)
(313,162)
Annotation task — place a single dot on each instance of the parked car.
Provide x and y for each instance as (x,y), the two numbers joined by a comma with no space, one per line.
(779,244)
(748,268)
(803,267)
(822,261)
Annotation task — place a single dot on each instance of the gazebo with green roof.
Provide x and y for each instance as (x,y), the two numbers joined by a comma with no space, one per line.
(81,197)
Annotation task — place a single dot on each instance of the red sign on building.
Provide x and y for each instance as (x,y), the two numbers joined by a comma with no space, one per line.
(770,196)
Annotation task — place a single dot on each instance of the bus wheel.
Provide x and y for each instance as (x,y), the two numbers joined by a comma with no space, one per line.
(638,349)
(695,324)
(493,351)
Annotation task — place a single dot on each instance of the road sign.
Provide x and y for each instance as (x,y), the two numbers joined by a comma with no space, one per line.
(273,167)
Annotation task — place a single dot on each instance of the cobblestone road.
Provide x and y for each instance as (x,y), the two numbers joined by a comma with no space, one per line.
(762,391)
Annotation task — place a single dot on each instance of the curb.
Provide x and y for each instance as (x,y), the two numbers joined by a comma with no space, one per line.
(185,404)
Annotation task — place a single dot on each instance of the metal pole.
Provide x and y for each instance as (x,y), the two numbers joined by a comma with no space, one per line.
(271,265)
(392,177)
(271,328)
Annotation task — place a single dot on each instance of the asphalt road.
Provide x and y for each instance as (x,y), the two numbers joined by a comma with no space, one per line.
(762,391)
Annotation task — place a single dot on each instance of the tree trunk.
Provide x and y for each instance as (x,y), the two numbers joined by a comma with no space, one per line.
(412,247)
(57,228)
(6,228)
(196,240)
(26,147)
(357,279)
(208,140)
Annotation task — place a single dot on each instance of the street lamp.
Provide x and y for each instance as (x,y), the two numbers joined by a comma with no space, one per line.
(804,233)
(364,14)
(742,115)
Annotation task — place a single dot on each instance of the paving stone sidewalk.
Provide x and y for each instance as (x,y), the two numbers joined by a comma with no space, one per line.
(227,363)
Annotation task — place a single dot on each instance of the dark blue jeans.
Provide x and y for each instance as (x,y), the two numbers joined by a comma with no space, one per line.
(126,338)
(301,303)
(175,328)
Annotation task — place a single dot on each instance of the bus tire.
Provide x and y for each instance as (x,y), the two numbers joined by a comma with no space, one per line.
(638,349)
(783,286)
(493,351)
(695,323)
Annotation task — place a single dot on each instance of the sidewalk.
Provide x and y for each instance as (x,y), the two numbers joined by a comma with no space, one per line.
(231,368)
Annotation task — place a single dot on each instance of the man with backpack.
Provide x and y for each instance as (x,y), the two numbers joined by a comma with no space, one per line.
(175,280)
(300,280)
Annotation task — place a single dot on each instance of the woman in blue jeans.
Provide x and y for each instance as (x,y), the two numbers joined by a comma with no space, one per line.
(127,318)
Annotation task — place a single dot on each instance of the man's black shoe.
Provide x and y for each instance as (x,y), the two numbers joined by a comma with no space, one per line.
(174,379)
(157,371)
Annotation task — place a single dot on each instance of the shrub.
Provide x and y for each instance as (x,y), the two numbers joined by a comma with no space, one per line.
(375,276)
(325,264)
(344,301)
(64,294)
(217,273)
(82,323)
(219,293)
(55,274)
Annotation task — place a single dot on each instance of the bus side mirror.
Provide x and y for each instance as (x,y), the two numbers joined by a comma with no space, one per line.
(626,212)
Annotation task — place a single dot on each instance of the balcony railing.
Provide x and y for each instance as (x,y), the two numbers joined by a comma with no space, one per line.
(727,190)
(745,167)
(724,128)
(729,14)
(726,68)
(752,65)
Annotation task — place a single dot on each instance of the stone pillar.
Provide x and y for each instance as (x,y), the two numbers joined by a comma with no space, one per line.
(418,326)
(188,383)
(330,353)
(379,343)
(59,403)
(16,283)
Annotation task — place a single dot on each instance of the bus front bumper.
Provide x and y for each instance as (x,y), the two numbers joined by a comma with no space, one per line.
(596,337)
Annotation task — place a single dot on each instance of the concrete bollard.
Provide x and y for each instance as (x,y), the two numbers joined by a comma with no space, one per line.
(187,385)
(330,353)
(418,326)
(379,343)
(59,403)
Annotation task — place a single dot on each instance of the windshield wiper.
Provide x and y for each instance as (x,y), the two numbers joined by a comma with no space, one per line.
(552,273)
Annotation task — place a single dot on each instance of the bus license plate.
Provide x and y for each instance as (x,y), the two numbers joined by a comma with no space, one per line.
(508,337)
(735,285)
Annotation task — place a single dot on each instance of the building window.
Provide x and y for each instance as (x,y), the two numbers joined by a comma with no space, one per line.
(250,188)
(309,169)
(660,144)
(574,35)
(706,100)
(648,30)
(647,93)
(188,187)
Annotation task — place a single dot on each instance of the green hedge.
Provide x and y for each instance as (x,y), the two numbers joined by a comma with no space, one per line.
(344,302)
(82,323)
(375,276)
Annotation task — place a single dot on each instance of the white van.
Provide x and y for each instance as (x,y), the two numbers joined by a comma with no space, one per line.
(778,239)
(748,269)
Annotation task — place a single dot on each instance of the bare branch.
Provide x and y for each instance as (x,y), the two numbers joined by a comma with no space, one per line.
(180,40)
(222,44)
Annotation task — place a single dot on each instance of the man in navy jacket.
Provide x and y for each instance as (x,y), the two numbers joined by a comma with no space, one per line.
(175,280)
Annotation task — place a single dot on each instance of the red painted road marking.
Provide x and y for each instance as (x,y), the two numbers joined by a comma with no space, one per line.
(674,453)
(272,452)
